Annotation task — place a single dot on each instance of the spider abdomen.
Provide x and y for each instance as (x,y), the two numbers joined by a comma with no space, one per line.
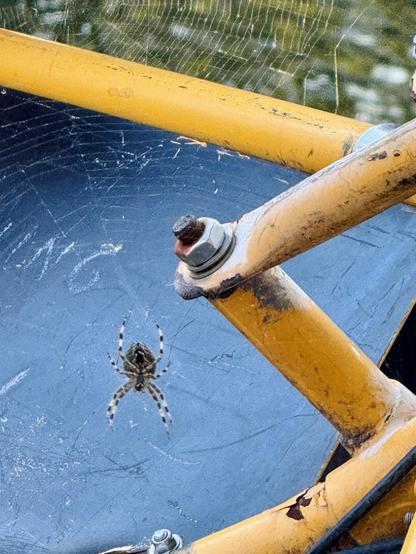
(140,356)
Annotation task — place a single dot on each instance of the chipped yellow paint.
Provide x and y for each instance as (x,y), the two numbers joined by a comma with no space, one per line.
(296,524)
(250,123)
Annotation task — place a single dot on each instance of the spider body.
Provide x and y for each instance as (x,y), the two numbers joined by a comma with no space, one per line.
(139,366)
(141,357)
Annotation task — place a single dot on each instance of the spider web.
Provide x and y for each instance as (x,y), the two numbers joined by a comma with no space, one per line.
(347,56)
(76,192)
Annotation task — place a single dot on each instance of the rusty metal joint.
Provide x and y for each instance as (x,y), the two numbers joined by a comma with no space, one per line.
(337,198)
(204,244)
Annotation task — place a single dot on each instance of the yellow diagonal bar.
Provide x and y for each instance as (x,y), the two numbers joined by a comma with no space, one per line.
(257,125)
(314,354)
(318,208)
(296,524)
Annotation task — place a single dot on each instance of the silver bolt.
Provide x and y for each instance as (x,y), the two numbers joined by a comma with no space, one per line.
(161,535)
(164,541)
(204,255)
(188,229)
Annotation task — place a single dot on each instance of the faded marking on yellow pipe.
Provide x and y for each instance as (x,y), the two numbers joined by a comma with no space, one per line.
(322,206)
(293,526)
(306,346)
(254,124)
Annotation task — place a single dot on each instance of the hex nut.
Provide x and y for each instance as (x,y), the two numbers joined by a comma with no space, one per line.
(207,246)
(164,541)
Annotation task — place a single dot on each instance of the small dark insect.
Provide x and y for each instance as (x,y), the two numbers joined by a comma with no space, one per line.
(139,366)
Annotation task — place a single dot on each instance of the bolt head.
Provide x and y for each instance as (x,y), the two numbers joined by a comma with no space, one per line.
(207,246)
(161,536)
(182,224)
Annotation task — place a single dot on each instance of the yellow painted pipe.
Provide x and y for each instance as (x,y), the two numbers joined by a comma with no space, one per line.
(254,124)
(297,136)
(306,346)
(320,207)
(293,526)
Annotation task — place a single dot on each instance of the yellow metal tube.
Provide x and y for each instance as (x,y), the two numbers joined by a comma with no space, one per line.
(323,205)
(257,125)
(295,525)
(306,346)
(254,124)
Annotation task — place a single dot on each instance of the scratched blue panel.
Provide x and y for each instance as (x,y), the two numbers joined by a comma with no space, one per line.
(86,206)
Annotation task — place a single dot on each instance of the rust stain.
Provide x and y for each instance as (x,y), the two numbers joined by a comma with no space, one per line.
(294,511)
(353,441)
(377,156)
(407,181)
(270,294)
(227,287)
(188,233)
(321,498)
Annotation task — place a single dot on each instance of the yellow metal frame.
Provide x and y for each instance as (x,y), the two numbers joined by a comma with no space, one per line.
(295,525)
(253,124)
(373,413)
(375,416)
(298,338)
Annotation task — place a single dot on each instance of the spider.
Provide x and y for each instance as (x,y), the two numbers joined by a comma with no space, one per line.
(139,365)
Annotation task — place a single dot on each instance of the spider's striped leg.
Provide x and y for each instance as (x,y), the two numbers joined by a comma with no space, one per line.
(163,371)
(120,346)
(120,341)
(117,396)
(161,345)
(113,363)
(162,405)
(115,366)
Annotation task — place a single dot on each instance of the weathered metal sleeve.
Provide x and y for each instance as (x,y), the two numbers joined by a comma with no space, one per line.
(257,125)
(293,526)
(308,348)
(322,206)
